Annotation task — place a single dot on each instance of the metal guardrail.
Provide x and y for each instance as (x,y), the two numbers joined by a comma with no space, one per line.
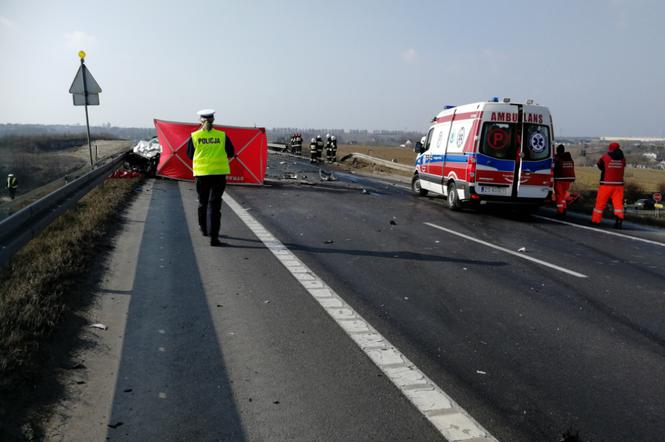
(19,228)
(379,161)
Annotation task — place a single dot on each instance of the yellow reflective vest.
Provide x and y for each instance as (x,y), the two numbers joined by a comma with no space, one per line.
(11,182)
(210,153)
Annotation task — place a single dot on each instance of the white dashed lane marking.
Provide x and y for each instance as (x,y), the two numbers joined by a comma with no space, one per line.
(451,420)
(606,232)
(510,252)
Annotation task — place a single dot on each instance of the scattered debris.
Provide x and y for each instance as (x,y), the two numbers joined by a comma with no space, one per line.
(250,399)
(325,176)
(80,382)
(116,425)
(437,241)
(267,301)
(290,176)
(365,192)
(127,390)
(568,436)
(392,222)
(99,325)
(481,372)
(328,241)
(522,250)
(406,298)
(465,269)
(282,162)
(276,402)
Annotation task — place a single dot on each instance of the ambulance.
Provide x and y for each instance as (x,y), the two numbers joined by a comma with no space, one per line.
(487,152)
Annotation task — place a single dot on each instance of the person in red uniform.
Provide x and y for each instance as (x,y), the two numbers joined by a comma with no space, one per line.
(611,165)
(564,175)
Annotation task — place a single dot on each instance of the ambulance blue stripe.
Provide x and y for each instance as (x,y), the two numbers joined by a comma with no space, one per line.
(449,158)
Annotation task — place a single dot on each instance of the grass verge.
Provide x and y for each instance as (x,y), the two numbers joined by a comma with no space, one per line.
(42,282)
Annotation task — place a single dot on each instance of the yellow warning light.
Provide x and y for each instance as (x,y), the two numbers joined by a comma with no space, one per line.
(81,55)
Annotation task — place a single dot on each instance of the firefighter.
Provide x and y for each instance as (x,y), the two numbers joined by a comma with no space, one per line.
(312,151)
(210,150)
(333,140)
(319,148)
(297,144)
(329,148)
(564,175)
(12,185)
(611,165)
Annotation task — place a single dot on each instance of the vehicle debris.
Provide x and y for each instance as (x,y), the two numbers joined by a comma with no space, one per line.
(99,325)
(481,372)
(522,250)
(328,241)
(325,176)
(365,192)
(392,222)
(116,425)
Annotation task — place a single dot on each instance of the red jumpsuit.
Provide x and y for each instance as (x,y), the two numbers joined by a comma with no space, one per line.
(564,175)
(612,166)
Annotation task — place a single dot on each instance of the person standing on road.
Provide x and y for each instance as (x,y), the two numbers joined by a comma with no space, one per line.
(12,185)
(329,148)
(210,151)
(564,175)
(312,151)
(611,165)
(319,148)
(333,141)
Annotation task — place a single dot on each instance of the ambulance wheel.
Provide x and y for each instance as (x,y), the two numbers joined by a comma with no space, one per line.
(453,198)
(415,186)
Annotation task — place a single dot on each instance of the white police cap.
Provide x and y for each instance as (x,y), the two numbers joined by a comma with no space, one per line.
(206,113)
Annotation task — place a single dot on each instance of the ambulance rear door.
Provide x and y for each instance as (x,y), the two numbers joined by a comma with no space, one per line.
(497,158)
(535,168)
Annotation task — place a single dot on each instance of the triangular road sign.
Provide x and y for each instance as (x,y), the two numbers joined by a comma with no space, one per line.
(90,82)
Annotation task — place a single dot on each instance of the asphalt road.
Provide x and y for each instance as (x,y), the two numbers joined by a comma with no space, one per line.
(225,344)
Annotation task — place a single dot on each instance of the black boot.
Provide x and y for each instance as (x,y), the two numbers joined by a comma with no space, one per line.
(215,242)
(618,223)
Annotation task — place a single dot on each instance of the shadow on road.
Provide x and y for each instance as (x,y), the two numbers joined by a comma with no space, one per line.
(172,383)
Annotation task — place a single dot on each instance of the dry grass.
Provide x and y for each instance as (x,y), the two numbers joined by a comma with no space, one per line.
(40,282)
(649,180)
(402,156)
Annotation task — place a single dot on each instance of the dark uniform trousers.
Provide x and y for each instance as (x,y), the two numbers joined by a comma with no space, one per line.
(210,189)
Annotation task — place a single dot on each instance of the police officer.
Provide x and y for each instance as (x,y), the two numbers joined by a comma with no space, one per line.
(210,150)
(312,151)
(12,185)
(319,148)
(564,176)
(612,165)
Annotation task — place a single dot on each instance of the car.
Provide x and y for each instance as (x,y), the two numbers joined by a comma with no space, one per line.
(643,204)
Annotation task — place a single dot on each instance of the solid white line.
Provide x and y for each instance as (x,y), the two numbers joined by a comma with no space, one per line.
(503,249)
(451,420)
(607,232)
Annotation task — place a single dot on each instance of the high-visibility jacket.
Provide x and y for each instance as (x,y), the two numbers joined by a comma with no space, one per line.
(11,182)
(612,165)
(564,167)
(210,156)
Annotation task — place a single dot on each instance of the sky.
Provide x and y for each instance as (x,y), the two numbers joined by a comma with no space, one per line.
(599,65)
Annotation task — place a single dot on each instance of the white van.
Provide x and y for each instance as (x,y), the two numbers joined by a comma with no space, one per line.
(487,152)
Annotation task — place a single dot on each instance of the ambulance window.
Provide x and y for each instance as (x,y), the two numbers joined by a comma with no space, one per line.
(428,141)
(498,141)
(536,142)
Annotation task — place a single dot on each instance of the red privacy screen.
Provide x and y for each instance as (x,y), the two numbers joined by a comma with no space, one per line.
(248,166)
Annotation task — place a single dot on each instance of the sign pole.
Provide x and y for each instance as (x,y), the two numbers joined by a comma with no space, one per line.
(87,121)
